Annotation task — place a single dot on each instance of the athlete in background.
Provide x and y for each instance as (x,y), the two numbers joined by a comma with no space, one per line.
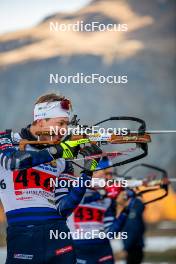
(32,206)
(97,213)
(135,228)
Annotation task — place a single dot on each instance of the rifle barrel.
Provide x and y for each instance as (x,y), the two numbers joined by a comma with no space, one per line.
(157,131)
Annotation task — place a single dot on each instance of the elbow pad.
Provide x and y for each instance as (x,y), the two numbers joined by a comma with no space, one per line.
(25,160)
(21,160)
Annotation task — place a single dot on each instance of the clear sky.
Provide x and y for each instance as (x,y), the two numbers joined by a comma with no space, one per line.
(19,14)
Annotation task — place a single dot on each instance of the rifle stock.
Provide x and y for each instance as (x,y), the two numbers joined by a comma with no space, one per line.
(94,139)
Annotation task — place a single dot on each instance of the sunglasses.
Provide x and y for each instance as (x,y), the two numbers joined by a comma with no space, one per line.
(65,104)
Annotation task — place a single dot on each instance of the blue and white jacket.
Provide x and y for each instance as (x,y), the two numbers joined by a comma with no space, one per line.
(25,190)
(95,216)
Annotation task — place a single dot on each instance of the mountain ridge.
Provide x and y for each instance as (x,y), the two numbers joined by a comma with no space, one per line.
(146,53)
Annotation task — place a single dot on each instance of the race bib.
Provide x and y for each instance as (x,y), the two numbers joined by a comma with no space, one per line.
(88,214)
(32,179)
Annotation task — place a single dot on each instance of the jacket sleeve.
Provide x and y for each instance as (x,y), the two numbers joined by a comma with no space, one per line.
(89,198)
(68,197)
(13,159)
(134,225)
(113,224)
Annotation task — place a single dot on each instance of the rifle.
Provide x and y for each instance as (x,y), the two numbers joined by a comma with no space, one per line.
(140,138)
(156,179)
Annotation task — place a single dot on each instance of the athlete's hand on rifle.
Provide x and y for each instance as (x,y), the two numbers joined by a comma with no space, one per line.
(67,150)
(90,164)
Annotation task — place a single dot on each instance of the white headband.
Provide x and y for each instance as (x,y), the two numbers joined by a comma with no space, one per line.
(49,110)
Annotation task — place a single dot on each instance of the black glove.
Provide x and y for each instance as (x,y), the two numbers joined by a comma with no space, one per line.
(90,164)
